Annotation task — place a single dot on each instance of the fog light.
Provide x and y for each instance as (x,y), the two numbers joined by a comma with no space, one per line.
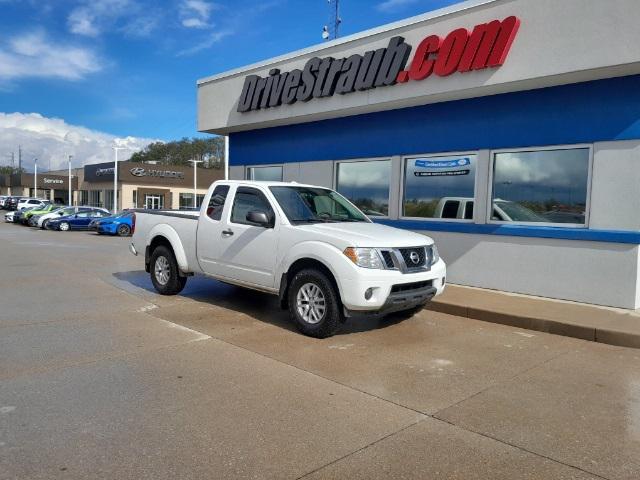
(368,293)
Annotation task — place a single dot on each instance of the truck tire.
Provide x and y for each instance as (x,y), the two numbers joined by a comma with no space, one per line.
(164,272)
(314,304)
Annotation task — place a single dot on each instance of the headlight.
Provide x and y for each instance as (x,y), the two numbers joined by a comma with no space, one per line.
(435,256)
(364,257)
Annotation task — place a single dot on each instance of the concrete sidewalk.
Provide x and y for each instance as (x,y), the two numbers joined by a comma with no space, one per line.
(613,326)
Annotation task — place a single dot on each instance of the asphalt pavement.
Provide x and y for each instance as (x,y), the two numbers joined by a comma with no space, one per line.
(100,377)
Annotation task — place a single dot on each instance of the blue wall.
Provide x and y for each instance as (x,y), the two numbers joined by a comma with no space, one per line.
(579,113)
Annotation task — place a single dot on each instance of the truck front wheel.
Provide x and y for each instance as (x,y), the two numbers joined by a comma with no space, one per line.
(164,272)
(314,305)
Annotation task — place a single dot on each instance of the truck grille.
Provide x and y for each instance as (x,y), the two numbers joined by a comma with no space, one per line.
(388,258)
(414,257)
(408,287)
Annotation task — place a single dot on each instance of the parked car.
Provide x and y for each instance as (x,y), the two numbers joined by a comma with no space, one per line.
(3,199)
(120,224)
(11,203)
(17,216)
(77,221)
(60,212)
(8,217)
(26,216)
(323,257)
(31,202)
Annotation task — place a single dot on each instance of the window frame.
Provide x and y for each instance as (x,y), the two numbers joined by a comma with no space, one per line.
(224,205)
(239,189)
(548,148)
(336,171)
(429,156)
(248,168)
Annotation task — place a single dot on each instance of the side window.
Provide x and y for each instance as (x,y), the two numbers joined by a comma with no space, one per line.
(247,200)
(450,209)
(468,211)
(216,203)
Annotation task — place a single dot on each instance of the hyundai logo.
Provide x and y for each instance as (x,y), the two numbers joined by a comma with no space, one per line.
(138,171)
(414,257)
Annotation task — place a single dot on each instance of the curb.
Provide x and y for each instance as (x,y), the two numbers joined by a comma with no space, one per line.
(610,336)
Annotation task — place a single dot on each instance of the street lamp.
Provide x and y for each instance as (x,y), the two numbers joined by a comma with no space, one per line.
(35,178)
(195,181)
(69,198)
(115,177)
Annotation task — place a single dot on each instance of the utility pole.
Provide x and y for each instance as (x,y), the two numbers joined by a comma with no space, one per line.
(70,201)
(115,178)
(195,182)
(19,158)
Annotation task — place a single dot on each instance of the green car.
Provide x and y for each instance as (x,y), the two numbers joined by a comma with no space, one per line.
(40,211)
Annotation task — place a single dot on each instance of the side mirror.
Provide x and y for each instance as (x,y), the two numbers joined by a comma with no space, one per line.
(261,218)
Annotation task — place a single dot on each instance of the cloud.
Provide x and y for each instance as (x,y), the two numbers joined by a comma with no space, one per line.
(53,140)
(35,55)
(93,18)
(206,43)
(196,13)
(393,5)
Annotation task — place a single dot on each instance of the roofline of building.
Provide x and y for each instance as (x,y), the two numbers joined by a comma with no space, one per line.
(431,15)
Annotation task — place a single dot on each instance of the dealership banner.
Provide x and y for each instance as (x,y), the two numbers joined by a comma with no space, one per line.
(442,168)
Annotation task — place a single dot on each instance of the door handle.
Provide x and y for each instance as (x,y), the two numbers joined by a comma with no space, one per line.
(227,233)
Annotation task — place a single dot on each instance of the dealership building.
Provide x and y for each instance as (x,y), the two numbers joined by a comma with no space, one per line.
(140,185)
(508,130)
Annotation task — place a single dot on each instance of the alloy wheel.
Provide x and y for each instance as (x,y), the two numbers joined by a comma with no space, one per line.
(162,270)
(311,303)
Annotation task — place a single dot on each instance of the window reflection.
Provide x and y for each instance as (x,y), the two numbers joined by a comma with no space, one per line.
(440,187)
(266,174)
(547,186)
(366,184)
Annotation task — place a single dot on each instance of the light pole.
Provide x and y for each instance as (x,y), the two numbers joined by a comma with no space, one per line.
(195,181)
(69,198)
(35,178)
(115,178)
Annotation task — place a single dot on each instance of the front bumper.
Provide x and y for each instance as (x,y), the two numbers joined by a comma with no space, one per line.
(391,290)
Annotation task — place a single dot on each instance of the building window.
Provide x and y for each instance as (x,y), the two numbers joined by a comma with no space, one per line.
(108,202)
(366,184)
(269,174)
(83,198)
(95,198)
(544,186)
(439,187)
(135,199)
(186,200)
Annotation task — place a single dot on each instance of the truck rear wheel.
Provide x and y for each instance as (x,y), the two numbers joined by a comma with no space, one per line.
(314,305)
(165,275)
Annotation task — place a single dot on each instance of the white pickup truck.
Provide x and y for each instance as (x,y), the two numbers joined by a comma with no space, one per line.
(324,258)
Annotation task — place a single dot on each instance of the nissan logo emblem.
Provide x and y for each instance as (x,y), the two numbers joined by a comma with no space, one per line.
(414,257)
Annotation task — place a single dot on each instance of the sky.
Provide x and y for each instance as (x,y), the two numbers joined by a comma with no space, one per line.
(128,68)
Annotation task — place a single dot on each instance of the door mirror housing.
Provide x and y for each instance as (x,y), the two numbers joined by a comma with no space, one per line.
(259,217)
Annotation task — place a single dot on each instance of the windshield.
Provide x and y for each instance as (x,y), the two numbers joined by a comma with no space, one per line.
(518,213)
(315,205)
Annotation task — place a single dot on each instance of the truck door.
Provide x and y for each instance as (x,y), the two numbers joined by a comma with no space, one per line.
(245,251)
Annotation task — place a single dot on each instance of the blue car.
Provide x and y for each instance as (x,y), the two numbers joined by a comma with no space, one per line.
(77,221)
(121,225)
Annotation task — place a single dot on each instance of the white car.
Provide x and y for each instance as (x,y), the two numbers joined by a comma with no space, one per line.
(309,245)
(8,217)
(31,202)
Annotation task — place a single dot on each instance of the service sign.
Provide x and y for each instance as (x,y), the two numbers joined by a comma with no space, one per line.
(486,46)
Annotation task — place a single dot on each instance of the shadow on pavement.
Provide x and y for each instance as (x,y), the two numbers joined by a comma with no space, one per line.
(261,306)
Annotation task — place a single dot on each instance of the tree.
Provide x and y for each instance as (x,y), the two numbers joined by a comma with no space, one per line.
(210,150)
(7,170)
